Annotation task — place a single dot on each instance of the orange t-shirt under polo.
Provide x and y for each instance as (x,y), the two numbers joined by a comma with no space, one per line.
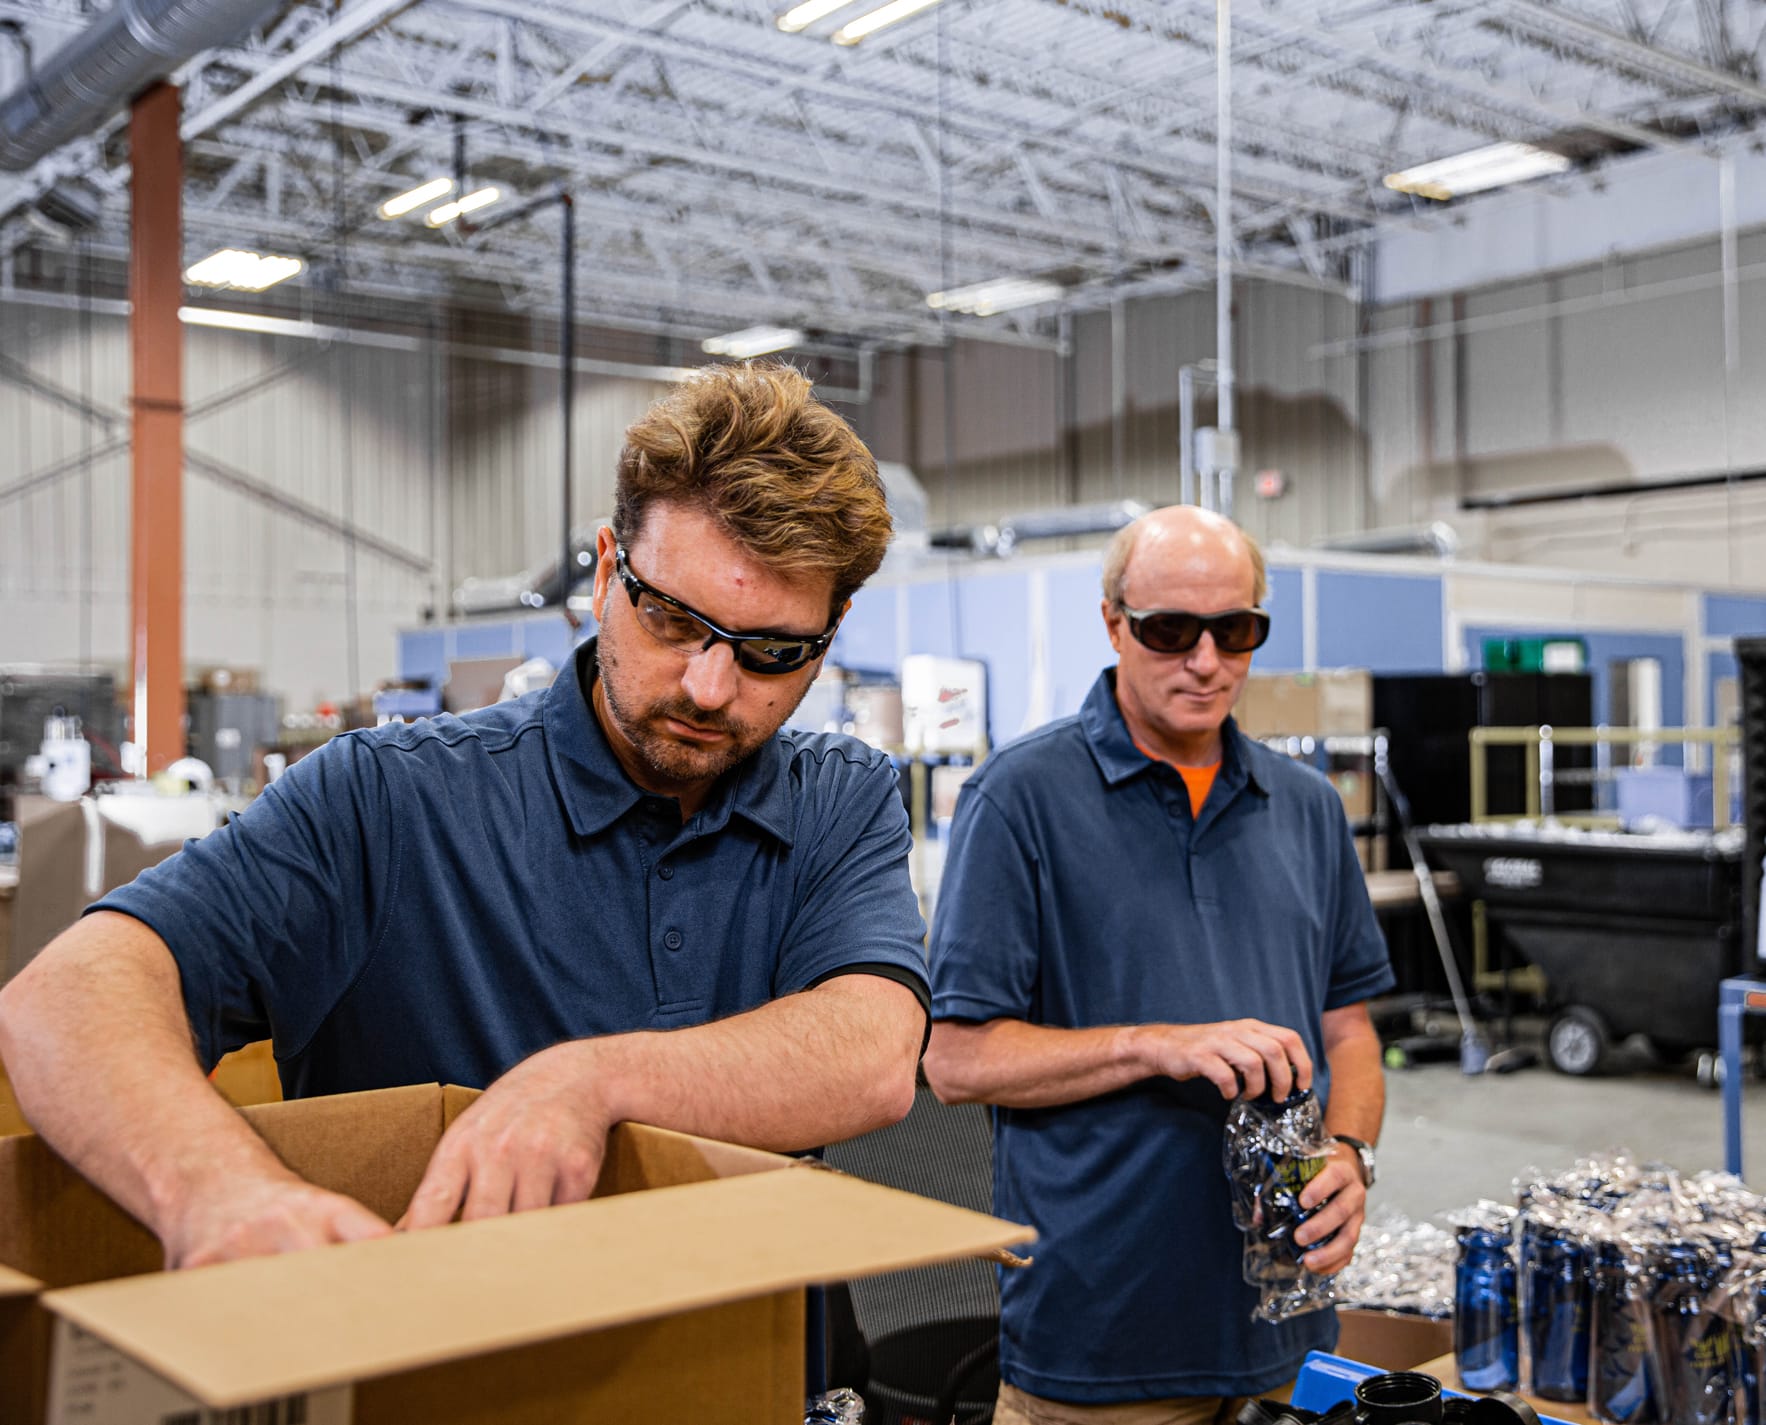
(1196,780)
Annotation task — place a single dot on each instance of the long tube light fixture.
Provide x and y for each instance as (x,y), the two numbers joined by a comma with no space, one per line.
(416,197)
(1001,294)
(1495,166)
(242,271)
(245,322)
(801,17)
(752,341)
(871,21)
(460,207)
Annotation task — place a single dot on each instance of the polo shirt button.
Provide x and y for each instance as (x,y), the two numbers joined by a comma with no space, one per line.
(672,940)
(666,870)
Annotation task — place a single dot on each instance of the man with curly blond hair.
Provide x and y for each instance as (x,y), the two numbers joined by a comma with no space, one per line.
(629,896)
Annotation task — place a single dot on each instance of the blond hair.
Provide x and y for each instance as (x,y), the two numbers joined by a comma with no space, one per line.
(786,477)
(1121,549)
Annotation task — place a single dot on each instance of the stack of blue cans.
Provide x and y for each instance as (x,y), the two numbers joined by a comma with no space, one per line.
(1627,1287)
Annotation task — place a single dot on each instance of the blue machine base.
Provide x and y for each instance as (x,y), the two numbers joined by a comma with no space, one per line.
(1326,1381)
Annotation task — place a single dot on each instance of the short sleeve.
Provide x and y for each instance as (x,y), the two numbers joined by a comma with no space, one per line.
(985,933)
(272,917)
(1361,965)
(855,903)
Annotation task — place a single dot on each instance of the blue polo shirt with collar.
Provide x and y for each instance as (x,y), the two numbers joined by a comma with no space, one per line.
(1079,891)
(434,902)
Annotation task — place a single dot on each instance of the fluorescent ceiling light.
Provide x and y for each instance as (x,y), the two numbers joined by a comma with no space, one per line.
(801,17)
(869,23)
(242,271)
(752,341)
(471,203)
(1493,167)
(416,198)
(245,322)
(983,299)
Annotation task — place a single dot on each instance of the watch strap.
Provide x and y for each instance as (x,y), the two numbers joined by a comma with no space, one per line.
(1363,1151)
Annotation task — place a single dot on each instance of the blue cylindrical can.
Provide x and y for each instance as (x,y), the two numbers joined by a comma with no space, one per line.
(1619,1384)
(1554,1283)
(1691,1344)
(1486,1326)
(1750,1362)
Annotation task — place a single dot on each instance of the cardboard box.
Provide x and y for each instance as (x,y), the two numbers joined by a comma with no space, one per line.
(676,1291)
(1391,1340)
(1339,700)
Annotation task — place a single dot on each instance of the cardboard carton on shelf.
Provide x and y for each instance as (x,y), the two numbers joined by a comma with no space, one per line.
(677,1290)
(1333,700)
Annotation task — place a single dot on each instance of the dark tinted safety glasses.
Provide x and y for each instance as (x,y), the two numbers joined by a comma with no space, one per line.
(1174,631)
(672,623)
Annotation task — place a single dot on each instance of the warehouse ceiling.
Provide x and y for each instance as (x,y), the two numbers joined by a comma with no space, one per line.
(726,173)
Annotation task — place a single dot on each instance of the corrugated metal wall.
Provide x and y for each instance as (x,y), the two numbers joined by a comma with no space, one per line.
(453,463)
(506,442)
(267,583)
(1603,375)
(1033,429)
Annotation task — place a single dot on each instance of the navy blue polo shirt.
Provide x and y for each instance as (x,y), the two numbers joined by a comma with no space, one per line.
(1079,891)
(434,902)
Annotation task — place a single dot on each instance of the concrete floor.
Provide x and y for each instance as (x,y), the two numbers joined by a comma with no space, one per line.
(1450,1139)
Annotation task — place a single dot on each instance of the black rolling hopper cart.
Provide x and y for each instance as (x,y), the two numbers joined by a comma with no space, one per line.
(1634,934)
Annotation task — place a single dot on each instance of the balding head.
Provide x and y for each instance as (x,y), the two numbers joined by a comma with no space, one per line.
(1183,535)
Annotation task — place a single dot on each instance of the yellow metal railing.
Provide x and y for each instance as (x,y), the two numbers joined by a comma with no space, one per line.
(1539,744)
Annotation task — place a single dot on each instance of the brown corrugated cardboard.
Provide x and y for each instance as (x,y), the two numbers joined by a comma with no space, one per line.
(1339,700)
(249,1075)
(680,1284)
(1391,1340)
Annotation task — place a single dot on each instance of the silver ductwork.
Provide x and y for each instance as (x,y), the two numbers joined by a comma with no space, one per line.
(1439,540)
(131,46)
(1057,522)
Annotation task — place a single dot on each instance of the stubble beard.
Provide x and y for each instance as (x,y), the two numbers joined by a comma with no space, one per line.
(666,757)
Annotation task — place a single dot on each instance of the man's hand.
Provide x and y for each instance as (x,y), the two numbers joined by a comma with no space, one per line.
(535,1138)
(262,1216)
(1239,1056)
(1341,1203)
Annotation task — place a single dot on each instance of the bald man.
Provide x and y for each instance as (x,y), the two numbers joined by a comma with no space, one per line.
(1142,911)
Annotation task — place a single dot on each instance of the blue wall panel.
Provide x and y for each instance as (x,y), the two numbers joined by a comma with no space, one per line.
(548,638)
(1078,645)
(1727,615)
(934,612)
(996,629)
(1390,623)
(1286,650)
(867,635)
(483,640)
(424,654)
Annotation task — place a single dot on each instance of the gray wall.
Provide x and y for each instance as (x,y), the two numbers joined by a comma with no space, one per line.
(267,586)
(1607,373)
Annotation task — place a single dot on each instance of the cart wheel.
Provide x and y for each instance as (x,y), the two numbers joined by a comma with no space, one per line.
(1577,1041)
(1711,1070)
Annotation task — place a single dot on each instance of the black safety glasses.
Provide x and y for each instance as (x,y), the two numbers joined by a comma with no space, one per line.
(673,624)
(1174,631)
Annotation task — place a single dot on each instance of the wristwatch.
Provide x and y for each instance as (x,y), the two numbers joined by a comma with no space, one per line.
(1365,1152)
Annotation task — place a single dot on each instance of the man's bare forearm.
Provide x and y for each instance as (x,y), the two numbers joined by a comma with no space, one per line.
(1358,1080)
(1020,1065)
(94,1037)
(798,1072)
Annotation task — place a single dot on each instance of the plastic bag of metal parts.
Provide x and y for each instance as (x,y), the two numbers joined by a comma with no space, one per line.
(837,1407)
(1272,1151)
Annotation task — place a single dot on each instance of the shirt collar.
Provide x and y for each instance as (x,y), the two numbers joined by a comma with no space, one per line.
(1100,718)
(597,792)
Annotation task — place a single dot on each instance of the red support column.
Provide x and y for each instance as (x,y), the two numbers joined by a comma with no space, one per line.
(156,288)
